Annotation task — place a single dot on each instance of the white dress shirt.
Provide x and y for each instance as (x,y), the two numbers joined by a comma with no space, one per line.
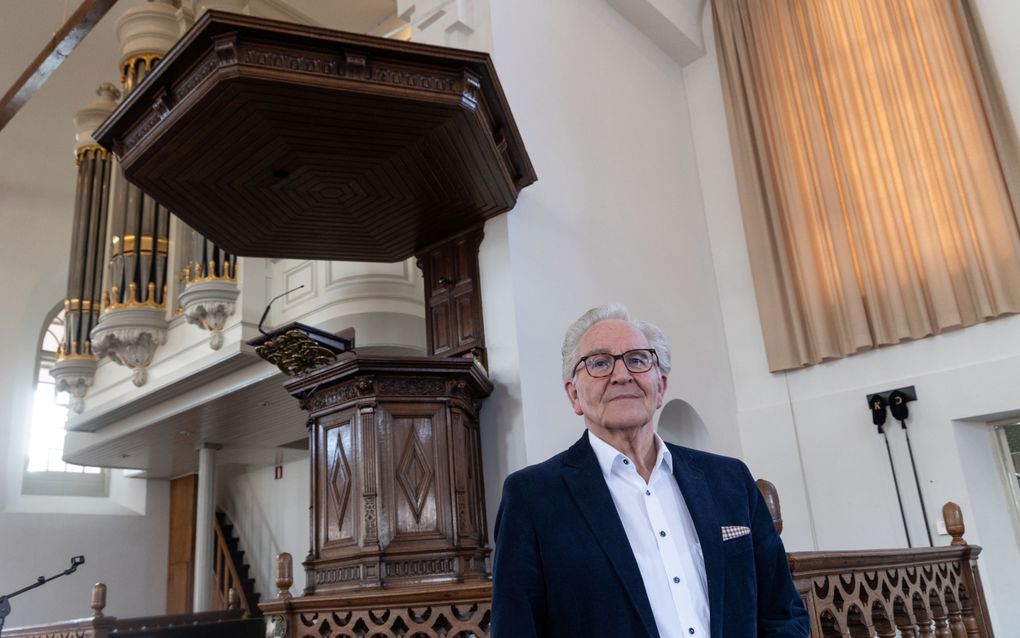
(662,537)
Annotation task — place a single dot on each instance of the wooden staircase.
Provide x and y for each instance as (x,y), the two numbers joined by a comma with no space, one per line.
(231,571)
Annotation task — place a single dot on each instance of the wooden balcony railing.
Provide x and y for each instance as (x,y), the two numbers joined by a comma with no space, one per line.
(914,593)
(100,625)
(439,611)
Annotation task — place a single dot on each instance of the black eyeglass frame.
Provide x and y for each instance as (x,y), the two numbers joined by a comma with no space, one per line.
(616,357)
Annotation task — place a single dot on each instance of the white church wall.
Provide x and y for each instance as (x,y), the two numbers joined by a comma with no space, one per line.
(811,428)
(615,215)
(270,516)
(127,551)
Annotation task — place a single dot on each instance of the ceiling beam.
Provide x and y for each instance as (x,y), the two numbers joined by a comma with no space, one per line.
(52,56)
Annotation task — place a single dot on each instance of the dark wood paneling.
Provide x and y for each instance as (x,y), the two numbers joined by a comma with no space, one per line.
(453,323)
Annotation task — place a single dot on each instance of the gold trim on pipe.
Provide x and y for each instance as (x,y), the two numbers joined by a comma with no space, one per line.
(192,273)
(97,150)
(127,79)
(132,301)
(72,305)
(127,244)
(85,354)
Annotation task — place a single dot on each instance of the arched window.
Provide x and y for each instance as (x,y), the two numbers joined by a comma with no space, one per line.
(46,472)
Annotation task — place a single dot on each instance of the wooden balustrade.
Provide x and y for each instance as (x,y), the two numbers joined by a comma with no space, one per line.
(442,610)
(100,625)
(914,593)
(228,589)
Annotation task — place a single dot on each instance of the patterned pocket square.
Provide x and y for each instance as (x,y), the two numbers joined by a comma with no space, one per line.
(729,532)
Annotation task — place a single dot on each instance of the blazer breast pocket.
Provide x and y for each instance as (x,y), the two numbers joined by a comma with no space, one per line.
(738,545)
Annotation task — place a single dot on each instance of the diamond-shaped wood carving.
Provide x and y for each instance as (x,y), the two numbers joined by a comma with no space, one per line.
(340,482)
(414,474)
(279,140)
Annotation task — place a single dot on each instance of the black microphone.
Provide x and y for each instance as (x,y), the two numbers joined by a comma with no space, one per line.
(270,304)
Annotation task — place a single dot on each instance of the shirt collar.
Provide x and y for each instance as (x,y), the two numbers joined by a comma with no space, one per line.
(609,456)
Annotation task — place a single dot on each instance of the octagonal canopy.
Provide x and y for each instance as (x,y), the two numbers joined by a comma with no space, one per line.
(279,140)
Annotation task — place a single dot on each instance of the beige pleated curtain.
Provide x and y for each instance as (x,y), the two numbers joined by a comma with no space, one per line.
(877,167)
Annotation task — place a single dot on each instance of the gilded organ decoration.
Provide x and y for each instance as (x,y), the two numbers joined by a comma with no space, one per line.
(133,320)
(210,285)
(75,366)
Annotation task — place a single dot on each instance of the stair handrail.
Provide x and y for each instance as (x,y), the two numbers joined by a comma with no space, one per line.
(228,588)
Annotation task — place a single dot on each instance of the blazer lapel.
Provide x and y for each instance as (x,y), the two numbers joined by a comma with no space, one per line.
(584,479)
(698,496)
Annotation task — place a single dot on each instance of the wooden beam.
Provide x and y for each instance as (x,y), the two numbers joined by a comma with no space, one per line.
(52,56)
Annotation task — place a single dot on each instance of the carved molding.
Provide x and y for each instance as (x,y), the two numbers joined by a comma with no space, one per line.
(339,394)
(208,304)
(75,377)
(129,336)
(441,620)
(422,567)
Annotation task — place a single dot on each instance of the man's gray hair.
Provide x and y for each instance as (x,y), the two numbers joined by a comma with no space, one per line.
(656,339)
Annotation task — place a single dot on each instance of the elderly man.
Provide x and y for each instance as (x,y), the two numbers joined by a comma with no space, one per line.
(626,536)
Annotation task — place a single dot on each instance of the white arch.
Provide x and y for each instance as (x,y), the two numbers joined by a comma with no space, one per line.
(681,424)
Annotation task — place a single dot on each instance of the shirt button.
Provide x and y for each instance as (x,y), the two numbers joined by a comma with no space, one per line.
(676,579)
(648,492)
(690,630)
(626,462)
(662,534)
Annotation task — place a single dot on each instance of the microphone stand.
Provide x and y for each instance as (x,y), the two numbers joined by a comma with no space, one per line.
(5,605)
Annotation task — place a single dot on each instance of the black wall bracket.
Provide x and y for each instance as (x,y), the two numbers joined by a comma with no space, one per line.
(908,391)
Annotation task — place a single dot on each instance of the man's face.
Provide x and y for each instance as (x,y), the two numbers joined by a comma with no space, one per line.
(623,400)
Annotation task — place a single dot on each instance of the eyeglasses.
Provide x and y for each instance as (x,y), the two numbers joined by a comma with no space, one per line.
(601,364)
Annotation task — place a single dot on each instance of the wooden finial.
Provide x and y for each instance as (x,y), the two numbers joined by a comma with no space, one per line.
(953,518)
(232,600)
(98,599)
(771,496)
(284,574)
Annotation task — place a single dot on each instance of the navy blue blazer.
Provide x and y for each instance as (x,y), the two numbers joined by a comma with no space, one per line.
(563,566)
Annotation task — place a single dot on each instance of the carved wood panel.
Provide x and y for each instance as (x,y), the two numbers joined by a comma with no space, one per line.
(397,493)
(416,448)
(454,321)
(340,490)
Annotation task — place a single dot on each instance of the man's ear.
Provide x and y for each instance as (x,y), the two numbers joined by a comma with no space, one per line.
(663,383)
(572,395)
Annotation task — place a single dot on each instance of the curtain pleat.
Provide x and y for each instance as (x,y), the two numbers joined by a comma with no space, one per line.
(876,162)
